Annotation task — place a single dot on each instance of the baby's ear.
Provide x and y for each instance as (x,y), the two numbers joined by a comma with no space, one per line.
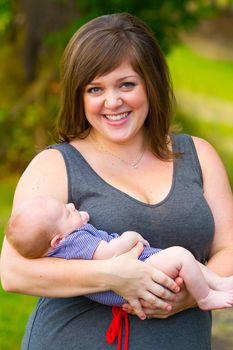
(55,241)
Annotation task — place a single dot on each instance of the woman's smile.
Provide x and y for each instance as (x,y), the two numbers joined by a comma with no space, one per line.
(117,117)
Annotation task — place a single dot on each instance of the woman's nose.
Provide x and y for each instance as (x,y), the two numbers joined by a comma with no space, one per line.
(112,100)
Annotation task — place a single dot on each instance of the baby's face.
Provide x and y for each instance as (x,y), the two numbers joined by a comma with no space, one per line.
(70,219)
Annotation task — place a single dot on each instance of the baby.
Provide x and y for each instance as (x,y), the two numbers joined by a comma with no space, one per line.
(46,227)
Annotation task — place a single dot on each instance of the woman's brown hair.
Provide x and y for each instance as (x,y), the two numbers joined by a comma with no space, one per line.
(99,47)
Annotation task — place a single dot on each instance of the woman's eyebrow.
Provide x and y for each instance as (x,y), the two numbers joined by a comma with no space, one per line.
(117,80)
(127,77)
(94,83)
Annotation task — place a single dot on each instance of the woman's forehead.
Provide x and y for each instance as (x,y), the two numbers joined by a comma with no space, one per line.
(123,68)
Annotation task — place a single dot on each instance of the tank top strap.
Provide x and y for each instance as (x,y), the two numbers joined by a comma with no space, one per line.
(79,173)
(187,165)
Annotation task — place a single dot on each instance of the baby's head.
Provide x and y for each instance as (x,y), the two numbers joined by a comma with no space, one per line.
(41,223)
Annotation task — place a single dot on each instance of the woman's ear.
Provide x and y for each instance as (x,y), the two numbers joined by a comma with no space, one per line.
(55,241)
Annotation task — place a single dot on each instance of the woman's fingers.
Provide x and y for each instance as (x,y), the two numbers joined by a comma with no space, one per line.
(136,307)
(152,303)
(135,281)
(157,303)
(184,301)
(155,313)
(160,292)
(164,280)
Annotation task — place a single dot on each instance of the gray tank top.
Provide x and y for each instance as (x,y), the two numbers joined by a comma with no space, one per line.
(182,218)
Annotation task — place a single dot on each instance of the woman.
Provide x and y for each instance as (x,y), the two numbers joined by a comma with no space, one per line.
(120,162)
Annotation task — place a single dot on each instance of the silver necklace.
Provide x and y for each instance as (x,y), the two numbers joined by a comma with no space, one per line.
(132,165)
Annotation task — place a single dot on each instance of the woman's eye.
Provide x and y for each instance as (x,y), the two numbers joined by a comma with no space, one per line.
(94,90)
(128,85)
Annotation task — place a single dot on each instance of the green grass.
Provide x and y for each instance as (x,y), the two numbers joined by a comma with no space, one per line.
(14,309)
(7,186)
(198,74)
(14,313)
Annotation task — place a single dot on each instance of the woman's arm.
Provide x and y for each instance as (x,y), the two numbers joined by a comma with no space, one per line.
(46,175)
(218,194)
(41,276)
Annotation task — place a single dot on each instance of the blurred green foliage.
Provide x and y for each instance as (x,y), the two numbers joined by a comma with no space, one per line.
(5,15)
(165,18)
(28,108)
(194,72)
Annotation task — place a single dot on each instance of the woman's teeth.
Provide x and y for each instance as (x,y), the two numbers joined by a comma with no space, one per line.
(116,116)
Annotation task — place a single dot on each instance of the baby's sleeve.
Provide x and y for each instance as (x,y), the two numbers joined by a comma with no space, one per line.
(80,244)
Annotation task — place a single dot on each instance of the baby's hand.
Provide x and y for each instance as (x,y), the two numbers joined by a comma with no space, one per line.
(135,236)
(144,241)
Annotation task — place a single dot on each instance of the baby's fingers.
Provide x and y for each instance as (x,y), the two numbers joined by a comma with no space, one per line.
(143,241)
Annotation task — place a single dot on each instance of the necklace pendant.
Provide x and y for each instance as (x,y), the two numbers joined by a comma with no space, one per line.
(135,166)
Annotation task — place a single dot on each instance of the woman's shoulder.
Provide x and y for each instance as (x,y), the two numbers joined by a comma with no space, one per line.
(45,175)
(206,152)
(49,153)
(47,160)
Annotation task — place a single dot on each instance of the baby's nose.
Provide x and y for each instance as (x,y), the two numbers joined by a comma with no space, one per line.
(71,206)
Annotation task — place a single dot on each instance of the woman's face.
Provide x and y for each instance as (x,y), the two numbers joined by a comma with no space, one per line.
(116,104)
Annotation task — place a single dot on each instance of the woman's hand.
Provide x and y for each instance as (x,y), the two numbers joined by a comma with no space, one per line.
(134,280)
(183,301)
